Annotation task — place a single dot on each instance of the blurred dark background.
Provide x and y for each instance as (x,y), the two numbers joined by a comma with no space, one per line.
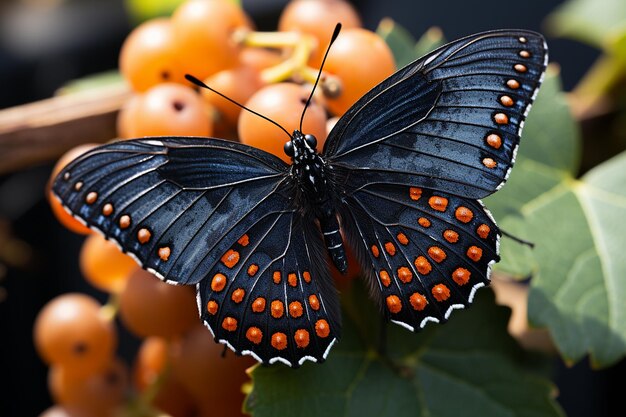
(45,43)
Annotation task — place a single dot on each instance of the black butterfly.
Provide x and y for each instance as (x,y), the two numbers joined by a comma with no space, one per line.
(401,174)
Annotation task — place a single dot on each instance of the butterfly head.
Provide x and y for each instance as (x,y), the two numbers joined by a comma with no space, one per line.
(301,147)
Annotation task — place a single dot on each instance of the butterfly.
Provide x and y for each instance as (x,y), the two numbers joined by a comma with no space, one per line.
(400,176)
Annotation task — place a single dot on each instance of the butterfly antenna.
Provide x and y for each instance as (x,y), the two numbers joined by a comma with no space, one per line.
(517,239)
(319,74)
(199,83)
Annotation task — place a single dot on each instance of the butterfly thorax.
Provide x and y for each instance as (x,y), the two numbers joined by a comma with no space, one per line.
(308,167)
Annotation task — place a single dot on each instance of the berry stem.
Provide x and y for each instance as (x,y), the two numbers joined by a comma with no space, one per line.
(295,66)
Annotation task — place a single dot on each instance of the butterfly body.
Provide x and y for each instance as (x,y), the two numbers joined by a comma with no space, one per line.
(400,176)
(309,169)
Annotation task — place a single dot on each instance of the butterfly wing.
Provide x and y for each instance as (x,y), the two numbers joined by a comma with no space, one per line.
(424,252)
(413,156)
(220,215)
(175,204)
(277,302)
(450,121)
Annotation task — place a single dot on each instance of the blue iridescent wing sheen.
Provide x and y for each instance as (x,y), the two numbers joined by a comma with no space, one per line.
(450,121)
(189,209)
(424,252)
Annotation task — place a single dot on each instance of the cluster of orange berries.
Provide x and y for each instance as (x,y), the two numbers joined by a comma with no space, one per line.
(178,369)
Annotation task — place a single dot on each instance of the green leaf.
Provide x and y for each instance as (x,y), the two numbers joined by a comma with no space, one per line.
(577,290)
(400,41)
(549,154)
(403,46)
(592,21)
(469,366)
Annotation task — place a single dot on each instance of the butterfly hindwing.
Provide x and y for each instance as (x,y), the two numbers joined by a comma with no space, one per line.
(176,204)
(469,101)
(424,252)
(270,296)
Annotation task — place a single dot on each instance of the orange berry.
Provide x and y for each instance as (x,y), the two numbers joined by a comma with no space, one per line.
(282,103)
(148,56)
(239,84)
(98,395)
(165,110)
(103,264)
(361,60)
(318,18)
(150,307)
(212,379)
(203,32)
(71,332)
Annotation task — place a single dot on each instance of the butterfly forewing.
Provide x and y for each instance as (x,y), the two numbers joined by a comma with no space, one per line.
(176,204)
(270,296)
(462,136)
(424,252)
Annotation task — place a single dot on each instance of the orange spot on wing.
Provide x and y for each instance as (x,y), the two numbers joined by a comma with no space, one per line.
(322,329)
(512,84)
(494,141)
(441,292)
(501,118)
(292,279)
(301,338)
(91,198)
(437,254)
(490,163)
(212,307)
(314,302)
(418,301)
(254,334)
(143,235)
(390,248)
(438,203)
(461,276)
(125,221)
(253,269)
(402,239)
(483,231)
(238,295)
(107,209)
(277,308)
(384,278)
(375,251)
(423,221)
(258,305)
(230,324)
(218,282)
(295,309)
(506,101)
(451,236)
(415,193)
(276,276)
(520,68)
(405,274)
(422,265)
(279,341)
(164,253)
(394,304)
(230,258)
(307,276)
(244,240)
(474,253)
(463,214)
